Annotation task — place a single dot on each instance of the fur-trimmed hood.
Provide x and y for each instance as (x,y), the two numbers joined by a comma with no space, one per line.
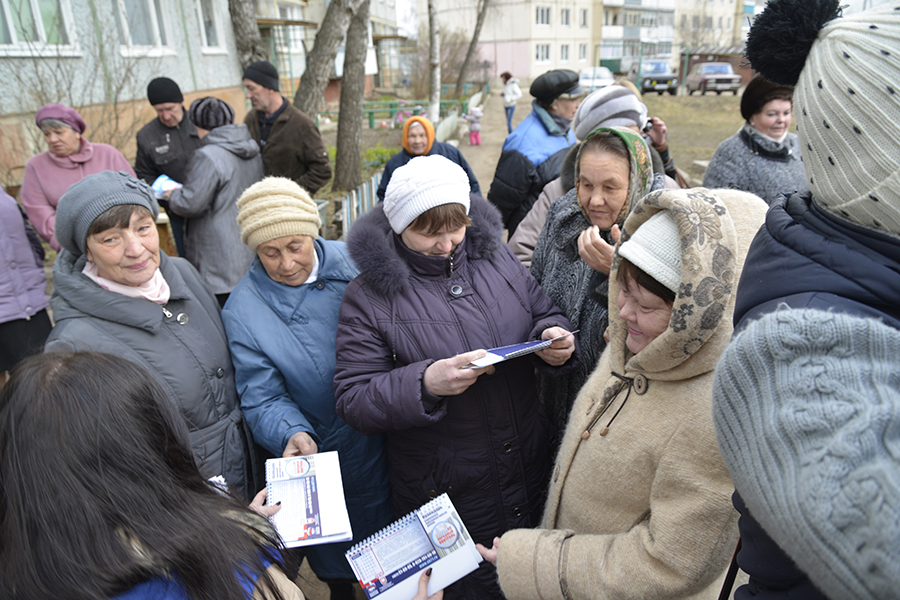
(373,246)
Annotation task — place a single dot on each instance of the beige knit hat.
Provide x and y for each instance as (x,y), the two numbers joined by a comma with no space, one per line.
(276,207)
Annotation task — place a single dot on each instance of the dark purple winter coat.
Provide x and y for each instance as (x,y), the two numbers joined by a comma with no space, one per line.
(489,447)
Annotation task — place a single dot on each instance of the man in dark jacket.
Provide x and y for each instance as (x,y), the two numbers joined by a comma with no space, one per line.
(834,248)
(165,144)
(291,143)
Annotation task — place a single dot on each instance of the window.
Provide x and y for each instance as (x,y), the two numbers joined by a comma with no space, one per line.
(32,24)
(720,22)
(141,23)
(583,17)
(695,23)
(291,35)
(542,16)
(582,51)
(209,30)
(707,23)
(564,53)
(684,21)
(542,53)
(564,17)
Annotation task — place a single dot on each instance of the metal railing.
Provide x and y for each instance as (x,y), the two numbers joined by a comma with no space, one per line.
(357,203)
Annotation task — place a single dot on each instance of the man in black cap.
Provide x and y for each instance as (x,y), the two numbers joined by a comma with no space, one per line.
(165,144)
(291,143)
(523,169)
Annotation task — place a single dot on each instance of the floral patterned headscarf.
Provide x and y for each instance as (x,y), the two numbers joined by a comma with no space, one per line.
(640,167)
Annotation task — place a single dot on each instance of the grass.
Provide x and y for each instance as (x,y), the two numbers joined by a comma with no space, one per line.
(696,125)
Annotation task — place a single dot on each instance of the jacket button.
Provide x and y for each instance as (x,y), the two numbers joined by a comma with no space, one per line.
(433,494)
(585,434)
(507,447)
(182,319)
(220,373)
(456,290)
(640,384)
(517,512)
(320,285)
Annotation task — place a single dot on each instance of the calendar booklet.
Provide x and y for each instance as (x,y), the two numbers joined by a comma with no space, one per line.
(311,492)
(388,563)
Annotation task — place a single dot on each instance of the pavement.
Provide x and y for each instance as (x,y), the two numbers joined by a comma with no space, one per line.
(483,159)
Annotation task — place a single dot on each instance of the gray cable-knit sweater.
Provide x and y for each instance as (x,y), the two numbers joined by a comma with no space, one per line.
(751,162)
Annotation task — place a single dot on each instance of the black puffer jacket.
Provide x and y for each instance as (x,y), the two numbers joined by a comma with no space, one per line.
(489,447)
(804,257)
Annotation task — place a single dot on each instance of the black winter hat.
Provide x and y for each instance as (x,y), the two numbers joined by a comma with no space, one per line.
(209,113)
(553,84)
(162,90)
(264,73)
(760,91)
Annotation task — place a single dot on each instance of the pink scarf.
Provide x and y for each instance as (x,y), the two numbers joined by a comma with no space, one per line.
(155,290)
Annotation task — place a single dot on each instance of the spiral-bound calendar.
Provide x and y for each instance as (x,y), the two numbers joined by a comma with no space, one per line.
(388,563)
(311,492)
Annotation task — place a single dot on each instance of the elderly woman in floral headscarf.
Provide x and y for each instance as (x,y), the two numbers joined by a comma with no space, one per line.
(573,255)
(639,504)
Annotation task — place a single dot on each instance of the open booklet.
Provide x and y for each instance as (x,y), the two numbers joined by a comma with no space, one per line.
(313,509)
(388,563)
(496,355)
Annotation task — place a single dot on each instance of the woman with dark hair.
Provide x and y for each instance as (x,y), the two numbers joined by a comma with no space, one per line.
(437,287)
(115,291)
(70,157)
(511,94)
(101,497)
(639,504)
(763,157)
(573,254)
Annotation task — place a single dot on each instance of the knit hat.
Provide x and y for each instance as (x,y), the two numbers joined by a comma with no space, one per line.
(758,93)
(421,184)
(429,132)
(264,73)
(558,83)
(163,90)
(612,106)
(63,113)
(807,413)
(209,113)
(86,200)
(276,207)
(846,101)
(655,249)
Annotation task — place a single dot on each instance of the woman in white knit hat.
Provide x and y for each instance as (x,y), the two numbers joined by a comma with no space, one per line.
(281,320)
(438,287)
(639,503)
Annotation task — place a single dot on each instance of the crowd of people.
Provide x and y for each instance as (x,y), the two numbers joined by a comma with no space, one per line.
(719,391)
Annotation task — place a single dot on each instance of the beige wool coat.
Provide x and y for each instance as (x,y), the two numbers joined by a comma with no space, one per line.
(639,503)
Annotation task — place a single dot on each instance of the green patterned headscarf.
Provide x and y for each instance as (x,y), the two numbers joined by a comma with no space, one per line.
(640,167)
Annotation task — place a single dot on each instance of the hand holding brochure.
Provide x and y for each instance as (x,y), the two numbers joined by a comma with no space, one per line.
(388,563)
(164,183)
(313,509)
(496,355)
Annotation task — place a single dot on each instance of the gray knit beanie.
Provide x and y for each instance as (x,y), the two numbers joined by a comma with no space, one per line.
(612,106)
(209,113)
(846,101)
(86,200)
(421,184)
(806,406)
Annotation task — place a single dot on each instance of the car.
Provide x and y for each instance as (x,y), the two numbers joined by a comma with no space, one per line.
(654,76)
(594,78)
(716,76)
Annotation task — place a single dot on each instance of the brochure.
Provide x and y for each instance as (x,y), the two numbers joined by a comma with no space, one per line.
(388,563)
(496,355)
(313,509)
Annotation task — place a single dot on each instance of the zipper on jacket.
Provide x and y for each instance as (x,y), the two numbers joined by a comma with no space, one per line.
(626,382)
(167,312)
(450,266)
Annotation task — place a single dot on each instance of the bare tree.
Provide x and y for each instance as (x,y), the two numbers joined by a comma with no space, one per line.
(473,48)
(453,46)
(434,38)
(250,47)
(348,167)
(321,58)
